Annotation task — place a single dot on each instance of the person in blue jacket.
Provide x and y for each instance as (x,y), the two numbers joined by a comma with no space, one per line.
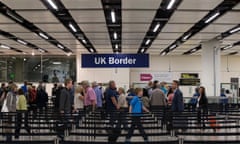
(136,109)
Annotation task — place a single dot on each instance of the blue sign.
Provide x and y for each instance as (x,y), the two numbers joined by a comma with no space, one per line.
(115,60)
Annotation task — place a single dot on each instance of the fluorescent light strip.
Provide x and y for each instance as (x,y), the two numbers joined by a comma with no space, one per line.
(228,47)
(193,50)
(60,46)
(212,17)
(156,27)
(142,50)
(4,46)
(170,4)
(22,42)
(72,27)
(164,53)
(43,35)
(113,16)
(53,5)
(91,50)
(116,46)
(84,41)
(186,37)
(14,16)
(172,47)
(148,41)
(235,30)
(115,35)
(56,63)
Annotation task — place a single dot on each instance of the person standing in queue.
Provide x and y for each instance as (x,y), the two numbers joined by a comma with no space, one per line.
(135,109)
(90,98)
(112,108)
(65,107)
(202,103)
(177,104)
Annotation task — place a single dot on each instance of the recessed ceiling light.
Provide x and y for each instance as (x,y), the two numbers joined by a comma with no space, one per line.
(33,54)
(4,46)
(84,41)
(22,42)
(235,30)
(116,46)
(72,27)
(53,5)
(212,17)
(142,50)
(113,16)
(172,47)
(91,50)
(170,5)
(60,46)
(115,35)
(43,35)
(186,37)
(156,27)
(147,42)
(164,53)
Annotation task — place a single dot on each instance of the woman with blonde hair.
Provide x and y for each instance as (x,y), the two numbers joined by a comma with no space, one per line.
(79,98)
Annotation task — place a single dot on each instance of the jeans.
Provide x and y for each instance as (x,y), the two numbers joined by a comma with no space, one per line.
(136,121)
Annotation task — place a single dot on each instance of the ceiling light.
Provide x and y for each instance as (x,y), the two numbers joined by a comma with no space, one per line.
(170,4)
(148,41)
(142,50)
(41,50)
(33,54)
(156,27)
(43,35)
(116,46)
(113,16)
(115,35)
(72,27)
(69,53)
(53,5)
(172,47)
(57,63)
(22,42)
(186,37)
(235,30)
(212,17)
(24,53)
(91,50)
(164,53)
(4,46)
(60,46)
(193,50)
(17,18)
(228,47)
(84,41)
(24,59)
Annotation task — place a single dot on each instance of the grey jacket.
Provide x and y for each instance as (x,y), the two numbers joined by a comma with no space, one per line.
(65,101)
(11,101)
(157,98)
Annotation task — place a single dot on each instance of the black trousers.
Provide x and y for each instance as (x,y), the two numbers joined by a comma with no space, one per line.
(201,116)
(19,121)
(136,122)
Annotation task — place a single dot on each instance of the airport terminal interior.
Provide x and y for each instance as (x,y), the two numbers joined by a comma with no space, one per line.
(120,71)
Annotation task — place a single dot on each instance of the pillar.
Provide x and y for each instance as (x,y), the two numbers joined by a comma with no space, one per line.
(211,67)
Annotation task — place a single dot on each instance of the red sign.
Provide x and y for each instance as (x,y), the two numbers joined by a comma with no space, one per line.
(145,77)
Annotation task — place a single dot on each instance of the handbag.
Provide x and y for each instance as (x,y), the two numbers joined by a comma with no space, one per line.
(4,106)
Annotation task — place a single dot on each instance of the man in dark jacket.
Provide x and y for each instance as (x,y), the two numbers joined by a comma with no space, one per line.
(177,102)
(65,108)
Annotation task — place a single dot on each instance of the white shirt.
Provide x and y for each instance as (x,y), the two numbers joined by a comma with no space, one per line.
(78,103)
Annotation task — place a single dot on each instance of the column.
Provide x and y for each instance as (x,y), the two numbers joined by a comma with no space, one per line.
(211,67)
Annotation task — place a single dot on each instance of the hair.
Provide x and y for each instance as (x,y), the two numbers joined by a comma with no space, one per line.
(176,82)
(122,89)
(137,90)
(110,83)
(170,91)
(85,83)
(94,84)
(79,89)
(12,86)
(204,91)
(20,92)
(67,81)
(155,84)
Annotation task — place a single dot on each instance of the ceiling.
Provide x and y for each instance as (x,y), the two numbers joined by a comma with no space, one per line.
(136,19)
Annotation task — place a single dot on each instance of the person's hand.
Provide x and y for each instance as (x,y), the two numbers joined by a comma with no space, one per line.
(118,107)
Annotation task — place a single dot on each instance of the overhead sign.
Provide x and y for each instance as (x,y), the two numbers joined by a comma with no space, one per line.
(115,60)
(160,76)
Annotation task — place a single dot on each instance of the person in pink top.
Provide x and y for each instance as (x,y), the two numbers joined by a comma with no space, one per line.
(89,97)
(170,96)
